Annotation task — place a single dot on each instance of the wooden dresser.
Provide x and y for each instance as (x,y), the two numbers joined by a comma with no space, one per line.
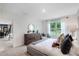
(29,38)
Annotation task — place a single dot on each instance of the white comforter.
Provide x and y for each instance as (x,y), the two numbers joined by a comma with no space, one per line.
(46,48)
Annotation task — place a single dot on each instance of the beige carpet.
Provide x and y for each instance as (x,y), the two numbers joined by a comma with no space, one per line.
(18,51)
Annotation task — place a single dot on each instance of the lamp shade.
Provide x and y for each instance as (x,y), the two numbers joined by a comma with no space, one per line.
(72,27)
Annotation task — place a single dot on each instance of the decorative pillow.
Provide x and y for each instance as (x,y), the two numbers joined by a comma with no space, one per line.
(66,36)
(61,39)
(71,38)
(55,44)
(66,46)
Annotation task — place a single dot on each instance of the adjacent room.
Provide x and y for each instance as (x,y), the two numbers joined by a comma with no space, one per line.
(39,29)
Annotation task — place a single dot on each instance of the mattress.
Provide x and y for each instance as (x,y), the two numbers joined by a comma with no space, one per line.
(44,48)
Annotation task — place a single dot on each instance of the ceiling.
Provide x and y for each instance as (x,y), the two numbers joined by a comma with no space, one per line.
(34,10)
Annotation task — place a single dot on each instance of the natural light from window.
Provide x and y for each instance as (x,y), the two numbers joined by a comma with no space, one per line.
(54,28)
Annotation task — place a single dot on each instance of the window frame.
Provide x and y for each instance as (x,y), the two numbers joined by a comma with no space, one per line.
(49,29)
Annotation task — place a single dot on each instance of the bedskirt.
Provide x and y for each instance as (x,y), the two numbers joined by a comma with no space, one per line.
(33,52)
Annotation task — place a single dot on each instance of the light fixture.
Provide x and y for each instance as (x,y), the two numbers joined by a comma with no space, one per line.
(73,27)
(43,10)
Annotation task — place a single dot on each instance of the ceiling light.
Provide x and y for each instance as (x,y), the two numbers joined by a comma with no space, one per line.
(43,10)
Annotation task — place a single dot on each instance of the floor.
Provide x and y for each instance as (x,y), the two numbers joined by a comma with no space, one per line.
(18,51)
(6,49)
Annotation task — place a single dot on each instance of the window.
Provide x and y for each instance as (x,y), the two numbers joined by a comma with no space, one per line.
(54,28)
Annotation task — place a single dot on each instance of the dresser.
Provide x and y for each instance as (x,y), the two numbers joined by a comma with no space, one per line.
(29,38)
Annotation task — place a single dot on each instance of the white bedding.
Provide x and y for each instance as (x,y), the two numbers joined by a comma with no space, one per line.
(46,48)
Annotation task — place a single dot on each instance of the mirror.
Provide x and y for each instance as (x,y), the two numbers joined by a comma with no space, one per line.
(31,28)
(5,30)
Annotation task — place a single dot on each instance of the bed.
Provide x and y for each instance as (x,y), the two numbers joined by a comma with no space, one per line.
(44,48)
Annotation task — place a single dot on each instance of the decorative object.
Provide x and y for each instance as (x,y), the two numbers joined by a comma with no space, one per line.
(48,36)
(33,31)
(31,28)
(43,34)
(37,32)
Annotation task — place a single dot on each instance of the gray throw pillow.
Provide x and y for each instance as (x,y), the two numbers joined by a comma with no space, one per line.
(66,46)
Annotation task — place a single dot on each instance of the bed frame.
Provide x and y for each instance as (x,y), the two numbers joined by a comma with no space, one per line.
(33,52)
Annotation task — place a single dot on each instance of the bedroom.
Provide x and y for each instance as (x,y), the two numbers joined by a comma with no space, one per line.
(39,16)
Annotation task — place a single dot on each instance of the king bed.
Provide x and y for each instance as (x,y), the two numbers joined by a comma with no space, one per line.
(44,48)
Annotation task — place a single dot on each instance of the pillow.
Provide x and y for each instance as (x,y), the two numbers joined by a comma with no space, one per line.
(55,44)
(66,46)
(61,39)
(66,36)
(71,38)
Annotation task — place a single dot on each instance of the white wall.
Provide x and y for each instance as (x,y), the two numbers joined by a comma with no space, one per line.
(37,24)
(21,16)
(5,20)
(21,28)
(17,31)
(78,25)
(45,26)
(66,24)
(20,23)
(70,22)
